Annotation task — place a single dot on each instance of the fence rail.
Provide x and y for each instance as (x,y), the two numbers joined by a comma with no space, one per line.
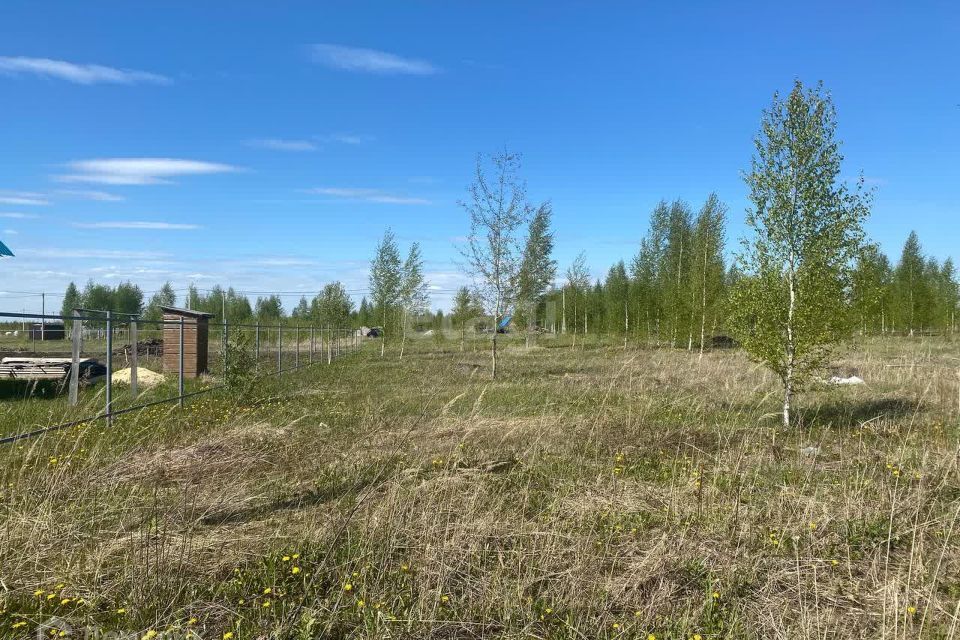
(71,358)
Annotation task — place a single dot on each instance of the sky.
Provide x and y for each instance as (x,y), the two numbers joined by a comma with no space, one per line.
(267,146)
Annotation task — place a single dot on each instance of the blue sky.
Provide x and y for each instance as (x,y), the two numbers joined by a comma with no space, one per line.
(268,145)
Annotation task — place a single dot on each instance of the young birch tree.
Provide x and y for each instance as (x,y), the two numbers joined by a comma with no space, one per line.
(386,281)
(465,309)
(578,284)
(414,298)
(792,305)
(537,267)
(498,210)
(708,273)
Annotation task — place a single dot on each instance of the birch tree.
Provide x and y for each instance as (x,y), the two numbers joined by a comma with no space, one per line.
(537,268)
(465,309)
(708,273)
(578,284)
(792,306)
(414,298)
(386,281)
(498,211)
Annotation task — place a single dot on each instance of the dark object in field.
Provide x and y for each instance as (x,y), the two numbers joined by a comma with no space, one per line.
(57,369)
(48,331)
(723,342)
(375,332)
(150,347)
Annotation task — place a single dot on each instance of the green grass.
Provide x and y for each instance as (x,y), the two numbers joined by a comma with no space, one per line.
(595,492)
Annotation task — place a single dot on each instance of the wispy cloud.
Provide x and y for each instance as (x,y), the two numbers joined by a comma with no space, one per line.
(345,138)
(100,196)
(136,224)
(93,254)
(77,73)
(366,195)
(24,198)
(139,171)
(11,232)
(369,60)
(277,144)
(16,215)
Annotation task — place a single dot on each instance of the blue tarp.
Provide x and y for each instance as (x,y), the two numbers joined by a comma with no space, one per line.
(503,323)
(4,251)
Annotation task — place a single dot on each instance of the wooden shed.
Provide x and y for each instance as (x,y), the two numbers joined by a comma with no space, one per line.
(195,335)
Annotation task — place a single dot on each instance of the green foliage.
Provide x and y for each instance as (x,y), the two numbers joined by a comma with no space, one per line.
(164,297)
(241,370)
(805,225)
(386,283)
(332,307)
(537,268)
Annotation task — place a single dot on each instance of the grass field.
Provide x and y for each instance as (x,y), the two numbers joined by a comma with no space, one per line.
(591,492)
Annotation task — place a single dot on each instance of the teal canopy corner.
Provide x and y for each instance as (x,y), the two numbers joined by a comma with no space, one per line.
(4,251)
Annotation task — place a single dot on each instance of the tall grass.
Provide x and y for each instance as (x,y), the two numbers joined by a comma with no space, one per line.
(596,492)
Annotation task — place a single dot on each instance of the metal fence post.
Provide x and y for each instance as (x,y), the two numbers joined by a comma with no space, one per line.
(133,360)
(329,347)
(279,348)
(226,342)
(256,345)
(75,364)
(109,390)
(180,365)
(311,344)
(296,361)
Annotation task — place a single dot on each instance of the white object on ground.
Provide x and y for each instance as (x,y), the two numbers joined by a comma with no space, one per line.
(848,380)
(145,377)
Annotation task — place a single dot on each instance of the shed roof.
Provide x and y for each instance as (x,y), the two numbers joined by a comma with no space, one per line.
(4,251)
(190,313)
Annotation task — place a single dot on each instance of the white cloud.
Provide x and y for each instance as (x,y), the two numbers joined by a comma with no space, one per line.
(346,138)
(100,196)
(277,144)
(11,232)
(366,195)
(369,60)
(24,198)
(93,254)
(131,224)
(140,171)
(16,215)
(285,262)
(77,73)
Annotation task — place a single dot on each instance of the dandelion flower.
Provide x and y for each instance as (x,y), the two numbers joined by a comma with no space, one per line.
(348,587)
(38,592)
(616,625)
(121,611)
(286,558)
(444,598)
(192,621)
(716,595)
(651,637)
(295,570)
(266,604)
(150,634)
(361,604)
(267,590)
(228,635)
(911,609)
(696,636)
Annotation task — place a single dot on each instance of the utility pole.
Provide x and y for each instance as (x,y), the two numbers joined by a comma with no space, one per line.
(43,312)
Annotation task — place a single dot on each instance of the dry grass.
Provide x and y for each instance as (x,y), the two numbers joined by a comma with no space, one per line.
(596,492)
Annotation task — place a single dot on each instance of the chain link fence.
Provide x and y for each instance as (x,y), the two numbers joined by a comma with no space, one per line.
(102,364)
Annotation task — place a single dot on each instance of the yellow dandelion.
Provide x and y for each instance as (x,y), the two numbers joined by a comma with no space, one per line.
(65,601)
(266,604)
(267,590)
(404,567)
(716,595)
(444,598)
(295,556)
(650,636)
(286,558)
(911,609)
(228,635)
(616,625)
(150,634)
(361,604)
(348,587)
(192,621)
(121,611)
(295,570)
(38,592)
(696,636)
(17,625)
